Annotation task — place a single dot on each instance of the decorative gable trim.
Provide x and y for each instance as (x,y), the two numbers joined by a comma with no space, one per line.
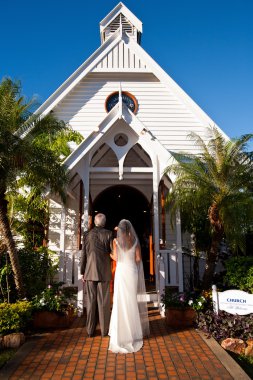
(149,142)
(121,58)
(91,140)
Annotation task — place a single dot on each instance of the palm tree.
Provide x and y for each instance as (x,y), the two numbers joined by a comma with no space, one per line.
(215,186)
(29,208)
(24,158)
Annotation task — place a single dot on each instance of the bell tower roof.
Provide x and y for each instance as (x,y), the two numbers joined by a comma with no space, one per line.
(121,16)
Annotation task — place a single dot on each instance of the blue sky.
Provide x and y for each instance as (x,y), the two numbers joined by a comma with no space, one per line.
(206,46)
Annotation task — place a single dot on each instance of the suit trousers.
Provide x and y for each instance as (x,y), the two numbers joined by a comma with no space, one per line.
(98,296)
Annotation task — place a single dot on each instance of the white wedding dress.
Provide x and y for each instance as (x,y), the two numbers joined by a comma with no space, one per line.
(125,326)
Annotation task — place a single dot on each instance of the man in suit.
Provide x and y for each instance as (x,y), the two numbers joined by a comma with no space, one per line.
(96,273)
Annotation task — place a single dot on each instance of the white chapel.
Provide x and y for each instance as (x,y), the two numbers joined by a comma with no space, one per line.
(132,116)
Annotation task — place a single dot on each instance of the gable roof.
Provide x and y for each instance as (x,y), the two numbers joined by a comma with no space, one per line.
(119,111)
(84,69)
(150,66)
(120,9)
(97,62)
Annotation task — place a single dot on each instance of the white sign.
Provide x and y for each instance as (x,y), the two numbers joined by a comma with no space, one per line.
(233,301)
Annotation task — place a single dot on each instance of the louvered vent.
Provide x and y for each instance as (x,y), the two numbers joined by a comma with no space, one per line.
(126,25)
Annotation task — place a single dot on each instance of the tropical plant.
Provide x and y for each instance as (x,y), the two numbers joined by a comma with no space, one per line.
(28,214)
(239,273)
(24,159)
(5,271)
(215,186)
(55,298)
(29,207)
(182,300)
(172,298)
(197,303)
(41,264)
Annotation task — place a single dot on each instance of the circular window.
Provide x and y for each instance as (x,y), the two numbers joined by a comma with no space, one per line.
(128,99)
(121,139)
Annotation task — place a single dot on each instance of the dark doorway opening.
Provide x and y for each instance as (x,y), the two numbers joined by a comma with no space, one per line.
(125,202)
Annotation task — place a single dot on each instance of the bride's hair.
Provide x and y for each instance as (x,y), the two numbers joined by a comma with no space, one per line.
(126,234)
(125,226)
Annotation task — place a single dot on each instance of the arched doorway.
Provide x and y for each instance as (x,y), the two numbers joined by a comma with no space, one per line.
(125,202)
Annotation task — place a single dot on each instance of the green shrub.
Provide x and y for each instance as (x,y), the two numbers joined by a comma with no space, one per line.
(38,268)
(240,273)
(14,317)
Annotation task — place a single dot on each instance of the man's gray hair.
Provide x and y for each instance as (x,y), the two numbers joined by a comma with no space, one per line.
(100,220)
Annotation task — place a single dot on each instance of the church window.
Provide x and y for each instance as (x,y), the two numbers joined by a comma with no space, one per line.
(128,99)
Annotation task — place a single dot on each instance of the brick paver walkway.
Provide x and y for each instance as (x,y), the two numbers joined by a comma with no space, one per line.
(70,354)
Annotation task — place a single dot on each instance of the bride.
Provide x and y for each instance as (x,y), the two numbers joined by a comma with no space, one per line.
(129,320)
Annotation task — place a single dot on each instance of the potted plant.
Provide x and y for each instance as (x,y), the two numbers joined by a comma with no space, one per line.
(54,307)
(181,308)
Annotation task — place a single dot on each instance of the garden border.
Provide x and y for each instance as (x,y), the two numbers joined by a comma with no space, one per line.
(228,362)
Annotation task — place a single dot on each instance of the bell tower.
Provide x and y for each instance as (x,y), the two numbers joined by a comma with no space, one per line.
(121,17)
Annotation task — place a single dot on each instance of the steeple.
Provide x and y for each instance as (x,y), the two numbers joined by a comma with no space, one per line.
(121,17)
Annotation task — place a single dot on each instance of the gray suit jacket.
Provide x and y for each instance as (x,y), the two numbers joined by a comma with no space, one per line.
(96,261)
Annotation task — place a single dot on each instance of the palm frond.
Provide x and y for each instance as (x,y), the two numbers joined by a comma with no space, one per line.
(220,178)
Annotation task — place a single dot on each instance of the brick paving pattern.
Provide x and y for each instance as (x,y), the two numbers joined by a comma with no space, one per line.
(166,354)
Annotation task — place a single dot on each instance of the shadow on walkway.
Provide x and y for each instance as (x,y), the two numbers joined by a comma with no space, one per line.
(166,354)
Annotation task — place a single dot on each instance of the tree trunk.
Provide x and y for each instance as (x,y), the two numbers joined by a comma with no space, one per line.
(196,271)
(210,265)
(218,230)
(10,244)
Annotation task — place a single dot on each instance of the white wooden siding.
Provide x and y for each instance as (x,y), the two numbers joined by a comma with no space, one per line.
(169,120)
(121,57)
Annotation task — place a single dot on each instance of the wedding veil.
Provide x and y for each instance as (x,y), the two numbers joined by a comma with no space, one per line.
(127,238)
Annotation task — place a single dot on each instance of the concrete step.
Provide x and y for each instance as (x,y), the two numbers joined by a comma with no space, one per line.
(151,297)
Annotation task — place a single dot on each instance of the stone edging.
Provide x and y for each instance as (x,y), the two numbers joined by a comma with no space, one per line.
(228,362)
(9,368)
